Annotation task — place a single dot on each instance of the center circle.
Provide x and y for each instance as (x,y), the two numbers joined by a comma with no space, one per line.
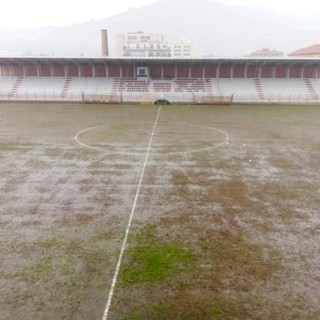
(168,138)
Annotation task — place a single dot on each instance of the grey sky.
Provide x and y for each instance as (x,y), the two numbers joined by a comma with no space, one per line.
(34,13)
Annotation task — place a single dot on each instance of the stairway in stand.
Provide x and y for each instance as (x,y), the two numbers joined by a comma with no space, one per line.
(66,87)
(208,86)
(259,89)
(311,89)
(115,90)
(15,87)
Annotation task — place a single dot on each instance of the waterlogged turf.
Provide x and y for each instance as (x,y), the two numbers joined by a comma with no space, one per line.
(226,225)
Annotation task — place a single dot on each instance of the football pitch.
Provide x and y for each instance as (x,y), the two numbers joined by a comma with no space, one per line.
(159,212)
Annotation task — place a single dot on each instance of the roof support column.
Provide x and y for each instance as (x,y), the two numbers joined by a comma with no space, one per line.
(288,71)
(218,71)
(175,70)
(314,72)
(259,70)
(121,70)
(273,72)
(107,70)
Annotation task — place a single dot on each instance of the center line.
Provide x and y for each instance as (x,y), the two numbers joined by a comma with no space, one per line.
(125,239)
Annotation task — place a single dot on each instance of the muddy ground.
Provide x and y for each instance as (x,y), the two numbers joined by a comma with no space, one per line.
(227,224)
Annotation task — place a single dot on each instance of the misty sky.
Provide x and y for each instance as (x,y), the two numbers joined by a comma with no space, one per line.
(35,13)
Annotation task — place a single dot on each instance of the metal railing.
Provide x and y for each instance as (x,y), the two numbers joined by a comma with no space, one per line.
(145,97)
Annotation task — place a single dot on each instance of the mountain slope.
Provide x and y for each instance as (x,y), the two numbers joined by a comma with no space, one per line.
(219,30)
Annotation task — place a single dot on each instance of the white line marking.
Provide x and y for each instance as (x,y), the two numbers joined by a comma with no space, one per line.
(125,240)
(77,136)
(226,140)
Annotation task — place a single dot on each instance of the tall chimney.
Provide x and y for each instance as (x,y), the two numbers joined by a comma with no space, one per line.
(104,43)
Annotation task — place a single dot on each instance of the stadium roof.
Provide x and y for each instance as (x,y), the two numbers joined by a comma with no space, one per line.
(143,60)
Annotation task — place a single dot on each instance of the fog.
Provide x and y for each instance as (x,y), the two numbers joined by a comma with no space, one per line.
(33,13)
(219,28)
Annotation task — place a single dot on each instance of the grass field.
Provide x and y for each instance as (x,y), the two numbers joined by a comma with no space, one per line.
(226,224)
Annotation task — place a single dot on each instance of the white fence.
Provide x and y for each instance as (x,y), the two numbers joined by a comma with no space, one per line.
(151,98)
(117,98)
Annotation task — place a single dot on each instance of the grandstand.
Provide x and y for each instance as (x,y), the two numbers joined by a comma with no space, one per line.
(212,81)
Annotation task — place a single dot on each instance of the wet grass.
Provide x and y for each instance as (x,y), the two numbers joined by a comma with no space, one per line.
(64,274)
(214,236)
(50,243)
(151,261)
(213,277)
(7,146)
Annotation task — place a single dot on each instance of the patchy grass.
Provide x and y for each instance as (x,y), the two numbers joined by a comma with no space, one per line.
(230,233)
(216,277)
(179,178)
(65,273)
(151,261)
(8,146)
(65,256)
(50,243)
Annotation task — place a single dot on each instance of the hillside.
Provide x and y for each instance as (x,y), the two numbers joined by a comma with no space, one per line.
(220,30)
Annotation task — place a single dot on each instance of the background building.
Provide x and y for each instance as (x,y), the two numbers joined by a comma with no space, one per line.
(140,44)
(311,51)
(266,52)
(184,50)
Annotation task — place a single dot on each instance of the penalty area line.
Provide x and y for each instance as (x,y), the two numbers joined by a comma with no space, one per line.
(125,239)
